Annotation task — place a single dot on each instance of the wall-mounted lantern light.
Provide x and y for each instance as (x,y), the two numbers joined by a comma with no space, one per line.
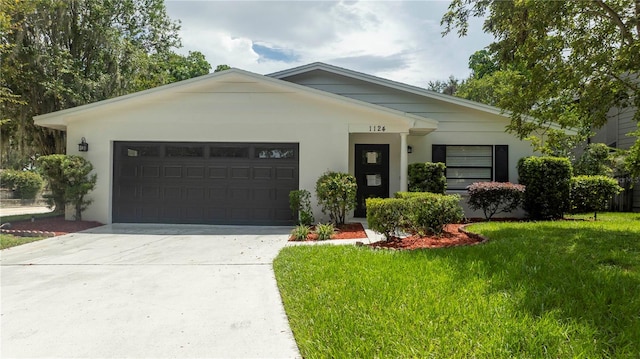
(409,149)
(83,146)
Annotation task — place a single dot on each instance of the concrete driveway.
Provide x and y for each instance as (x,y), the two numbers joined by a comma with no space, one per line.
(146,291)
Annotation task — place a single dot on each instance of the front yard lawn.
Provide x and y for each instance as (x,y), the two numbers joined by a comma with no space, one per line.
(8,240)
(535,290)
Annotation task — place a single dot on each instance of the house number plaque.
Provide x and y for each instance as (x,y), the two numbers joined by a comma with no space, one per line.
(377,128)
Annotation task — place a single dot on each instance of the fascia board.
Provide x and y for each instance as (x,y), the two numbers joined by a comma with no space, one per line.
(59,118)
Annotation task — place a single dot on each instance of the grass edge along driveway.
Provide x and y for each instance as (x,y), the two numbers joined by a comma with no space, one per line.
(565,289)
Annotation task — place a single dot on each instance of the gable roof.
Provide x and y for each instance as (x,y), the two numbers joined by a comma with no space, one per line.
(59,119)
(403,87)
(387,83)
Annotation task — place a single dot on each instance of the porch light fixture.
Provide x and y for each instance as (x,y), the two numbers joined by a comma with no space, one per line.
(83,146)
(409,149)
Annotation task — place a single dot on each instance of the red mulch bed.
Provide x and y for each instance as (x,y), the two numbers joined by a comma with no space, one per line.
(343,231)
(453,235)
(56,225)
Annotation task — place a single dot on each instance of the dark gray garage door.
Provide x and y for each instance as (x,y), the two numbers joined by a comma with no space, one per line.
(212,183)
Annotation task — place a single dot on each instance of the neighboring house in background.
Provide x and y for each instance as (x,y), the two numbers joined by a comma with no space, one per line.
(614,134)
(228,147)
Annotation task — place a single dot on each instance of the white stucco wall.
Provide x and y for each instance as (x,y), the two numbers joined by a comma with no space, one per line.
(240,111)
(243,107)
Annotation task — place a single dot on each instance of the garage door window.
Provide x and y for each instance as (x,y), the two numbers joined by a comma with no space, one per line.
(185,151)
(230,152)
(275,152)
(141,151)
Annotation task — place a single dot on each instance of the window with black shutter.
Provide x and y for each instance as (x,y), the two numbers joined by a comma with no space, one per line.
(467,164)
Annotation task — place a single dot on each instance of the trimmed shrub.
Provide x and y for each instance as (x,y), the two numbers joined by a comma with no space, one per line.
(385,215)
(70,180)
(427,177)
(24,184)
(427,213)
(414,212)
(336,193)
(495,197)
(592,193)
(300,204)
(548,186)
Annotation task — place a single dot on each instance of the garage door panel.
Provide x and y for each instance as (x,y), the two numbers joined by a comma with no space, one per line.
(149,213)
(240,172)
(217,194)
(282,214)
(172,171)
(286,173)
(169,213)
(262,173)
(195,172)
(262,213)
(151,171)
(263,194)
(128,170)
(221,183)
(216,213)
(150,193)
(195,194)
(172,193)
(218,172)
(195,214)
(240,195)
(126,192)
(239,214)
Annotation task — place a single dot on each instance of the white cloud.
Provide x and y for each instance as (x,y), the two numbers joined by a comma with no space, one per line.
(399,40)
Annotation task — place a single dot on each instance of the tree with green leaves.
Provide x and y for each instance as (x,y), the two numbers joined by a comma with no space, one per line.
(222,67)
(448,87)
(59,54)
(556,62)
(70,180)
(596,160)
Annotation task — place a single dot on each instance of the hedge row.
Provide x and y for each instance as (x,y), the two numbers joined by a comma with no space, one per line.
(25,184)
(413,212)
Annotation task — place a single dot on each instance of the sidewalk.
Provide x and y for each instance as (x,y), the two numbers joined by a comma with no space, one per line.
(12,211)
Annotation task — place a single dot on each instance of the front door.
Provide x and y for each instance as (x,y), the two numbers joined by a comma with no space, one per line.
(372,174)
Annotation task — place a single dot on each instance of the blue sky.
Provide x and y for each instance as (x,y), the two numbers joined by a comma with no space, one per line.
(399,40)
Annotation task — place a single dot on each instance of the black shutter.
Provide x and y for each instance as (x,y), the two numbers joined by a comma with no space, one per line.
(439,153)
(502,163)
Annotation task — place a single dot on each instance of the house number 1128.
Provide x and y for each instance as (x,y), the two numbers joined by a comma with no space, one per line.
(377,128)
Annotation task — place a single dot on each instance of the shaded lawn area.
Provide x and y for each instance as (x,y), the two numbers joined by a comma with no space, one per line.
(535,290)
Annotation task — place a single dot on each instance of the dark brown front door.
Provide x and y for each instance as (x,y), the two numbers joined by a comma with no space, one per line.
(372,174)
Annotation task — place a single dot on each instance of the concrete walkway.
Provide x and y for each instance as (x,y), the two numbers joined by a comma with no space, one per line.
(11,211)
(146,291)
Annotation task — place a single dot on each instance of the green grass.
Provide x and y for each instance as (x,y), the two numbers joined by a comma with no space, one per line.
(566,289)
(7,240)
